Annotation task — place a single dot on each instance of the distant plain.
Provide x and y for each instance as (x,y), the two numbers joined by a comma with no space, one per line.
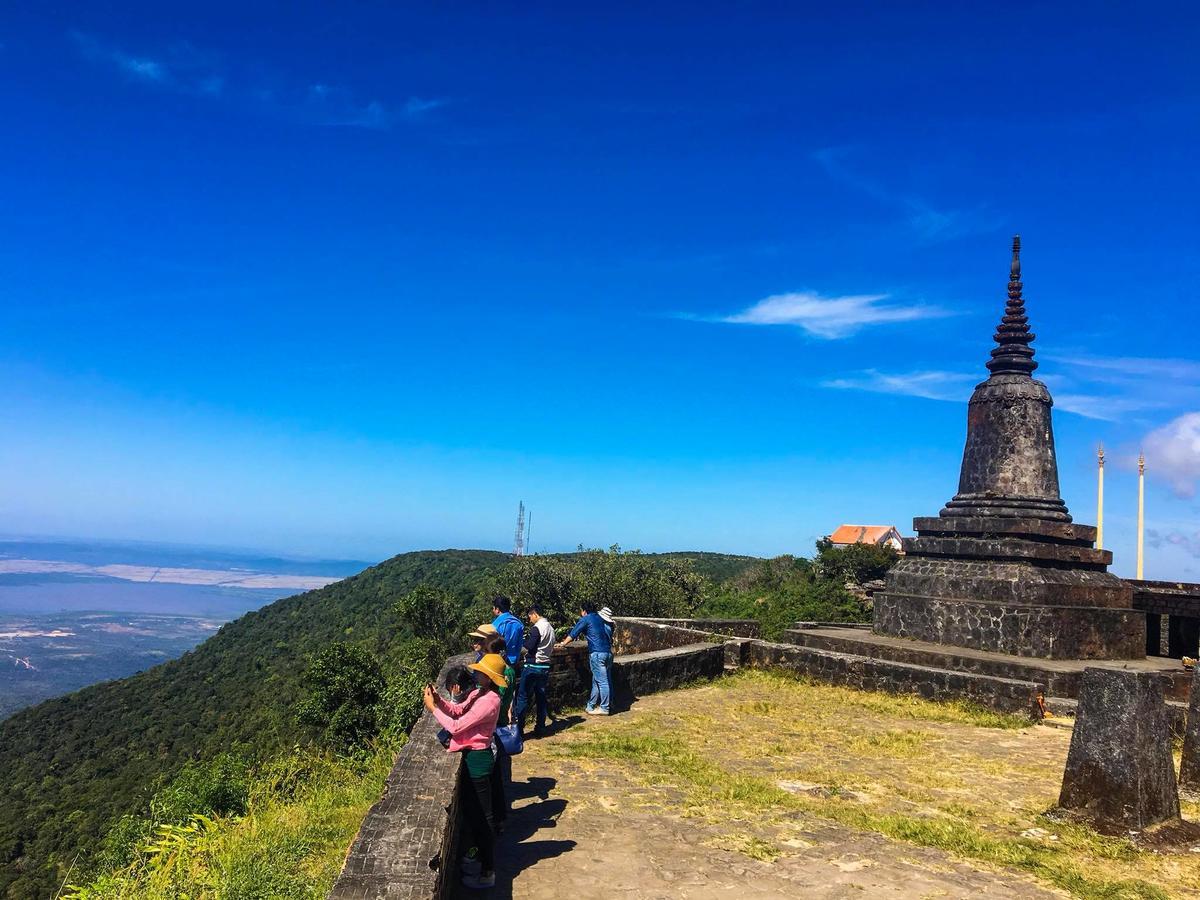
(73,613)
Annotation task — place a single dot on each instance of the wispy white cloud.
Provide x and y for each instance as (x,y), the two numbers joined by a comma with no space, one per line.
(1104,407)
(184,69)
(1174,452)
(956,386)
(141,68)
(1134,366)
(415,107)
(928,221)
(830,317)
(930,384)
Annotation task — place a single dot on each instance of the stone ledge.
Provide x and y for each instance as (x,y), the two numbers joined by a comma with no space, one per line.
(745,628)
(663,670)
(980,526)
(1010,548)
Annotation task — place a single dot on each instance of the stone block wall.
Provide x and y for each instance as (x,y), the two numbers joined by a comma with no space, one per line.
(649,635)
(747,628)
(663,670)
(1166,598)
(865,673)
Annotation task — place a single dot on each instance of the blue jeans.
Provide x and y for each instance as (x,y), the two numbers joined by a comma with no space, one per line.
(534,679)
(601,664)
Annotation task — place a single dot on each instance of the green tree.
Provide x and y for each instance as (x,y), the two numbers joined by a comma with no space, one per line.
(857,563)
(629,582)
(344,687)
(436,622)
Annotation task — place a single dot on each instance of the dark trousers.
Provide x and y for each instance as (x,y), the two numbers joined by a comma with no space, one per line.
(477,814)
(501,779)
(533,682)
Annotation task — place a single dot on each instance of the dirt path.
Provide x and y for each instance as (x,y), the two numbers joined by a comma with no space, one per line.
(589,824)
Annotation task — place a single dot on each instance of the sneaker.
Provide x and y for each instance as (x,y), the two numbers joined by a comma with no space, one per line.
(599,712)
(480,882)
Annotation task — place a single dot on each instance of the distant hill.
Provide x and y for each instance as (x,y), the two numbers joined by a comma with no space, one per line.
(70,766)
(716,567)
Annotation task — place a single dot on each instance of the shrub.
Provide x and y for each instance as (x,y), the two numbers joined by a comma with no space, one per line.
(345,684)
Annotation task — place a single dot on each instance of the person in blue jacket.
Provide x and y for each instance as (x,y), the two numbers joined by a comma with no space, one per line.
(599,639)
(510,628)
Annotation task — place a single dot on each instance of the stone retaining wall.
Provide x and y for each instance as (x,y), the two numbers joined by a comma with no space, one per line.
(995,692)
(747,628)
(1166,598)
(1002,694)
(650,635)
(663,670)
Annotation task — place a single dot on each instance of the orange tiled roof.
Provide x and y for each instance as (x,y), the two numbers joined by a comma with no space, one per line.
(860,534)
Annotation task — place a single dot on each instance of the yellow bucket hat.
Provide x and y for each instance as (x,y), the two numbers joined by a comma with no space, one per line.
(491,665)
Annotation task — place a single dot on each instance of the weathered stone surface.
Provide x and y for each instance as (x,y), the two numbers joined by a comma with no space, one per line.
(1046,632)
(865,673)
(1189,767)
(1009,467)
(1006,581)
(1167,598)
(994,526)
(1061,677)
(1119,772)
(1009,548)
(662,670)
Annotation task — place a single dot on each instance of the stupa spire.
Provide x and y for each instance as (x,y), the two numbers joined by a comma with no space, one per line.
(1013,355)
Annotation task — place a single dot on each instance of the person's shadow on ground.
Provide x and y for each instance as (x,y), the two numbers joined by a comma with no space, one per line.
(514,852)
(557,724)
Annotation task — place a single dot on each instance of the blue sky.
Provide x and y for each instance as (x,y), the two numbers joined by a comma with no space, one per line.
(348,280)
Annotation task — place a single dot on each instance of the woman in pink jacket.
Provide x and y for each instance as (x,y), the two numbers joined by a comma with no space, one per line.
(471,725)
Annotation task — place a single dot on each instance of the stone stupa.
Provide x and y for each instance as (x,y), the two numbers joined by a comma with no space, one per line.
(1002,567)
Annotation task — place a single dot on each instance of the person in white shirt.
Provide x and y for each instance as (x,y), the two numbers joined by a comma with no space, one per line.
(535,675)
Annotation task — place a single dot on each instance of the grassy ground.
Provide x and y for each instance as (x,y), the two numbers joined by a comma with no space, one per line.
(304,811)
(760,752)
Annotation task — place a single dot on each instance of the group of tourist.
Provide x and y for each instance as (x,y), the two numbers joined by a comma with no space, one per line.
(511,666)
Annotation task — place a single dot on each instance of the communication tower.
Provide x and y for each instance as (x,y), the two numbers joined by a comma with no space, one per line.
(519,541)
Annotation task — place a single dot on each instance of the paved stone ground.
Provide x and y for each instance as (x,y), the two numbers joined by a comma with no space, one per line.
(573,834)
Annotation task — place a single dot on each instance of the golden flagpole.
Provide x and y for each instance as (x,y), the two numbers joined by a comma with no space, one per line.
(1141,526)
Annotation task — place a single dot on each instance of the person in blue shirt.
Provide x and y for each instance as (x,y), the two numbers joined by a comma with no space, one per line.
(599,639)
(510,628)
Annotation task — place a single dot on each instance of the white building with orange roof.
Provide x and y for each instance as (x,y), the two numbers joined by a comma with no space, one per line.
(879,535)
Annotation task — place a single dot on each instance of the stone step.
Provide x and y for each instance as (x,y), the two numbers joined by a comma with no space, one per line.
(1060,677)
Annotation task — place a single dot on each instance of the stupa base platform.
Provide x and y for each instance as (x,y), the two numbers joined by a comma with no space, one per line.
(1058,678)
(1038,631)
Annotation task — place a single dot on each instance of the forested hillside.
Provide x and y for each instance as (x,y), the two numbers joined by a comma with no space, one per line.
(70,766)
